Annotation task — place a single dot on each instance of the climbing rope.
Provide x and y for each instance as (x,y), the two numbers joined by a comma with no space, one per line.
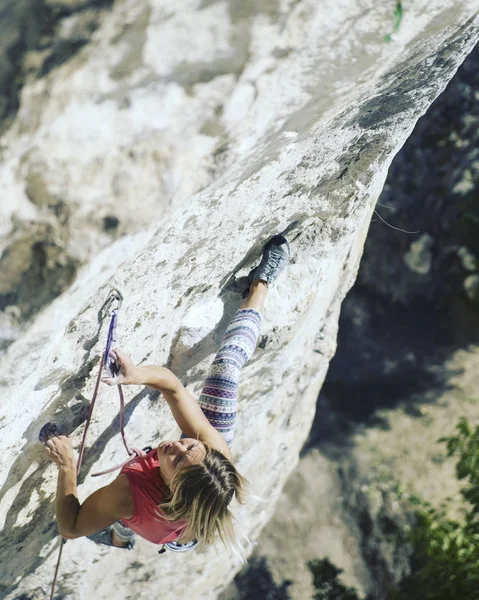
(108,360)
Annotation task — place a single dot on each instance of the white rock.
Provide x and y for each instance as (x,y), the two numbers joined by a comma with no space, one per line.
(419,257)
(471,287)
(309,156)
(468,260)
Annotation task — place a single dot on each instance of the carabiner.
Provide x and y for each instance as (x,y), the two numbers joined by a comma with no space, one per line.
(114,296)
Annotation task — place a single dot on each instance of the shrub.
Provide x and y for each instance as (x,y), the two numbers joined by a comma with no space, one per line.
(446,551)
(326,583)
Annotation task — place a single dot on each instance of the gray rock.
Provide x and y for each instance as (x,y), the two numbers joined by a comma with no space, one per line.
(468,260)
(471,287)
(419,256)
(306,154)
(407,353)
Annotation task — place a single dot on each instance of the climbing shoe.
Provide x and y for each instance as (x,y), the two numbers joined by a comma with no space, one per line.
(104,537)
(275,257)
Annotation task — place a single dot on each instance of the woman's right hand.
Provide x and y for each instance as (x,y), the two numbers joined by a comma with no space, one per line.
(129,372)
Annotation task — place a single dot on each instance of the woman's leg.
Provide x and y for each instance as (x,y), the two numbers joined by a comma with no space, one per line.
(257,293)
(115,535)
(121,535)
(219,396)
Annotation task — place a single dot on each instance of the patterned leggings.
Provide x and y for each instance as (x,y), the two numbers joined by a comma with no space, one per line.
(219,396)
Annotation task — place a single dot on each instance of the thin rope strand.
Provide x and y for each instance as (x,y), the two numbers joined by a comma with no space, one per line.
(52,593)
(392,226)
(111,332)
(90,413)
(122,419)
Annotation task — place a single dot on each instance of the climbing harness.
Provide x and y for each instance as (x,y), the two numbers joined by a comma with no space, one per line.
(108,359)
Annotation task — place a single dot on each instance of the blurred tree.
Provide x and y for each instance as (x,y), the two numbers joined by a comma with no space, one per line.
(326,583)
(446,551)
(255,582)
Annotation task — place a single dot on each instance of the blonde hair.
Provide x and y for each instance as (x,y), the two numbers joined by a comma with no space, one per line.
(201,494)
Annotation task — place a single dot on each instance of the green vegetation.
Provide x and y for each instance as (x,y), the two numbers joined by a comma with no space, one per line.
(255,582)
(397,18)
(445,559)
(446,551)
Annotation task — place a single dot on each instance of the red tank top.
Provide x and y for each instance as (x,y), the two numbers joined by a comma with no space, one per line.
(147,489)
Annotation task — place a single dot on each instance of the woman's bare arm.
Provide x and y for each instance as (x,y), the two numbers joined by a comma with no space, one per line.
(184,407)
(102,508)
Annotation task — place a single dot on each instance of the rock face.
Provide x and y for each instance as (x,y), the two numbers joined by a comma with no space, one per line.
(39,252)
(408,352)
(228,122)
(404,371)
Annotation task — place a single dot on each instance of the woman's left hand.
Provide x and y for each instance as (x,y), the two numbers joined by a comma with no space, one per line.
(128,372)
(59,448)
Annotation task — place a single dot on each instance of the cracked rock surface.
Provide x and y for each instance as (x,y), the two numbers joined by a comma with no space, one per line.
(190,134)
(404,372)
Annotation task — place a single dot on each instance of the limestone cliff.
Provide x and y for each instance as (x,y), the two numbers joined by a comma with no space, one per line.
(404,372)
(209,126)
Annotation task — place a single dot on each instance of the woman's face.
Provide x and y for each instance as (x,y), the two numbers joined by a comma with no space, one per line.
(177,454)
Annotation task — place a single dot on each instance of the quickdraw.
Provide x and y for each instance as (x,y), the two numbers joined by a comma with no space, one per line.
(108,360)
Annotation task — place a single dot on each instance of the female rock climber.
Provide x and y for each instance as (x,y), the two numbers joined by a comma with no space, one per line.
(179,493)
